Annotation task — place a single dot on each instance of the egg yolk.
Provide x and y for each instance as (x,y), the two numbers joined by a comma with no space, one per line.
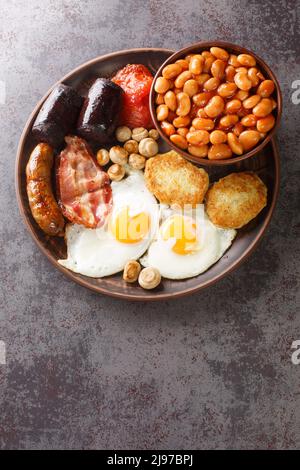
(183,229)
(130,229)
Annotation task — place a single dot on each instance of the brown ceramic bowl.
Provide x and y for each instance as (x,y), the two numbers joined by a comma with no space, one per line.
(266,164)
(234,49)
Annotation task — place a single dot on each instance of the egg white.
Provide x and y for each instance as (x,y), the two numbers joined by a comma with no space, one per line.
(96,252)
(213,242)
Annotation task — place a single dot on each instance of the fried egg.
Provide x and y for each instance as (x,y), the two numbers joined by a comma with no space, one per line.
(187,244)
(126,235)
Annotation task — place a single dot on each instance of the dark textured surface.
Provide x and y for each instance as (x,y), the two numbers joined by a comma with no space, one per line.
(85,371)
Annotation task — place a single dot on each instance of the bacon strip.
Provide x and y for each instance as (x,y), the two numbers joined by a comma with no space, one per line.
(84,189)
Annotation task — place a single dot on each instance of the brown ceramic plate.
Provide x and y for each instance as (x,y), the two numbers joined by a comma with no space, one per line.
(266,164)
(233,49)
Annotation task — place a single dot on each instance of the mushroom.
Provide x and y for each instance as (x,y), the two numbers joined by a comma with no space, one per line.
(131,146)
(102,157)
(148,147)
(118,155)
(154,134)
(116,172)
(139,133)
(123,133)
(132,270)
(149,278)
(137,161)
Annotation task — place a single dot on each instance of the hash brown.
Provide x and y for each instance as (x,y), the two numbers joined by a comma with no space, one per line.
(236,199)
(173,180)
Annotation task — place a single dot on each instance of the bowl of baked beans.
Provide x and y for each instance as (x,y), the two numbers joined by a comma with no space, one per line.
(216,103)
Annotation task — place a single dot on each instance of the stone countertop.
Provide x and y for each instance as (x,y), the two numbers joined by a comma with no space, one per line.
(86,371)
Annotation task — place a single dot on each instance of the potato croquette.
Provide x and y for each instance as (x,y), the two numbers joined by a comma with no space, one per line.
(173,180)
(235,200)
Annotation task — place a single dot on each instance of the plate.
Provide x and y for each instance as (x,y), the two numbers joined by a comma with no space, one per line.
(266,164)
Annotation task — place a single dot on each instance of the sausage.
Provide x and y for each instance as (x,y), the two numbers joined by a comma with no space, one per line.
(43,205)
(57,116)
(100,112)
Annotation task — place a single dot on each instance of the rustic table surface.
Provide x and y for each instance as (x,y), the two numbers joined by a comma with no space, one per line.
(212,370)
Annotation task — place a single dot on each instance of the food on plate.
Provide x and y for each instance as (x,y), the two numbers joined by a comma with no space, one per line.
(210,94)
(149,278)
(116,172)
(123,133)
(137,161)
(126,236)
(131,146)
(43,205)
(100,112)
(187,244)
(118,154)
(83,187)
(131,271)
(57,116)
(154,134)
(173,180)
(139,133)
(148,147)
(136,81)
(102,157)
(236,199)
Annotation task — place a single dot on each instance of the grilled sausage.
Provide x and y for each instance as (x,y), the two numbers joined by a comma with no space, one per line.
(57,116)
(43,205)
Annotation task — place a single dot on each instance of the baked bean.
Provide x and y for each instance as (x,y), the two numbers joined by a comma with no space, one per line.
(227,89)
(160,99)
(219,53)
(183,104)
(249,120)
(207,54)
(188,57)
(218,68)
(252,74)
(162,112)
(172,116)
(252,101)
(192,129)
(218,137)
(273,103)
(243,112)
(203,124)
(238,129)
(263,108)
(233,106)
(262,135)
(179,141)
(241,70)
(219,152)
(183,131)
(233,60)
(167,128)
(202,78)
(214,107)
(234,144)
(200,151)
(247,60)
(191,87)
(266,88)
(201,99)
(201,113)
(177,90)
(182,78)
(170,100)
(230,73)
(249,139)
(265,124)
(207,64)
(171,71)
(200,137)
(211,84)
(181,121)
(161,85)
(196,64)
(260,76)
(242,81)
(183,64)
(229,120)
(241,95)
